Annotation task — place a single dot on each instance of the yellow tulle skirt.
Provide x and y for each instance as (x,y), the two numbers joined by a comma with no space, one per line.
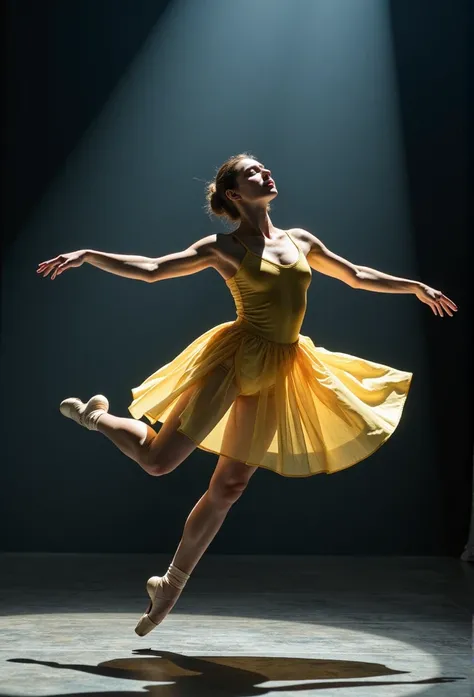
(296,409)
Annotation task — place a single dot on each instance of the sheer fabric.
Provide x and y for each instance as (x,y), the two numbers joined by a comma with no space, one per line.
(264,394)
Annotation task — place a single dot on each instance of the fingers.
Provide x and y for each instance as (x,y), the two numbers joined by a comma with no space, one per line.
(47,269)
(58,264)
(444,303)
(48,262)
(446,307)
(441,304)
(449,302)
(46,266)
(59,269)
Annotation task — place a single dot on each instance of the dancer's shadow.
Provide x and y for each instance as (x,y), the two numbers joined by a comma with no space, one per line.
(230,676)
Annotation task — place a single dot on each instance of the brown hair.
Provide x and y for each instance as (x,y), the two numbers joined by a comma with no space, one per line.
(226,178)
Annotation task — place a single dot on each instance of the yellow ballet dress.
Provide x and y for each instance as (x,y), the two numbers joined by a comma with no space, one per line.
(301,409)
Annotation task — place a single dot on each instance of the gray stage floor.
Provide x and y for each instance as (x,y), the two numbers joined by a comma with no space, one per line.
(244,625)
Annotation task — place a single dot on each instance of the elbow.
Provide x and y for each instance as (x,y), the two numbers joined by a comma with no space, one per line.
(150,275)
(354,280)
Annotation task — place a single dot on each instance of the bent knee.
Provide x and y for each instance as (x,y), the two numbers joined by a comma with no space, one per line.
(166,452)
(158,467)
(155,470)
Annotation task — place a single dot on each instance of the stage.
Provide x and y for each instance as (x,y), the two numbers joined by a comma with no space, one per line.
(244,625)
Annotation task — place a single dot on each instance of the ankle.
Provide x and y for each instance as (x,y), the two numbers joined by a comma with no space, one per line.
(175,577)
(91,421)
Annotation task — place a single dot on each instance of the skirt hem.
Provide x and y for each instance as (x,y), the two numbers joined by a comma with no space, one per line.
(282,474)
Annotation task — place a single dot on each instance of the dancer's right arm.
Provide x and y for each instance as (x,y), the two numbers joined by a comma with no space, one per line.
(198,256)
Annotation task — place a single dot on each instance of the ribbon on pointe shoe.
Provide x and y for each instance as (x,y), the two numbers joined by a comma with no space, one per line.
(176,577)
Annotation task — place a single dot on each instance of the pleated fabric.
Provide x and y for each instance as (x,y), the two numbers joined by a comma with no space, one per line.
(260,392)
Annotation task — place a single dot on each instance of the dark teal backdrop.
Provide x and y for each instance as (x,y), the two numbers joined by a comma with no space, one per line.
(77,173)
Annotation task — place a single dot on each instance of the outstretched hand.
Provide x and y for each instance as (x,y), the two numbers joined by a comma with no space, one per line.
(436,300)
(62,262)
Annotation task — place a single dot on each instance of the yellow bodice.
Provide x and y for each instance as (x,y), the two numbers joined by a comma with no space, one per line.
(270,298)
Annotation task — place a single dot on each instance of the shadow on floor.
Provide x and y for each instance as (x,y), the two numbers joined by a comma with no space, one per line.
(228,676)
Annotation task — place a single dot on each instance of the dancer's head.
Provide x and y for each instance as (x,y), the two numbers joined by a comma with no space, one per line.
(242,182)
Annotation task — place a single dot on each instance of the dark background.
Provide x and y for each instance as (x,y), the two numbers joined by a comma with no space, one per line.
(65,489)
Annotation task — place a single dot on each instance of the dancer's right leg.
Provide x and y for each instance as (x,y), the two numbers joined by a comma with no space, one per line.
(160,453)
(137,440)
(130,436)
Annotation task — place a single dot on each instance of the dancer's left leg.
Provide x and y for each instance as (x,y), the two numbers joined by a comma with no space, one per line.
(228,482)
(227,485)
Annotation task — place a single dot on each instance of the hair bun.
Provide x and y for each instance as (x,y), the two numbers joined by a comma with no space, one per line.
(216,197)
(216,202)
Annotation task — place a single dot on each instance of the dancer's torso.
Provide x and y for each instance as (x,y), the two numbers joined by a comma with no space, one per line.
(270,298)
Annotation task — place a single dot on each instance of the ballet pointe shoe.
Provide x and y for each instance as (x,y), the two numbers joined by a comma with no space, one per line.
(85,414)
(162,597)
(163,592)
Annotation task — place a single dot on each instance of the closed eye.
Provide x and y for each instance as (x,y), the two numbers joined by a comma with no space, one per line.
(253,170)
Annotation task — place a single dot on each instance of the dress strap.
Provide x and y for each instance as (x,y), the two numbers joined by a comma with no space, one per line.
(291,238)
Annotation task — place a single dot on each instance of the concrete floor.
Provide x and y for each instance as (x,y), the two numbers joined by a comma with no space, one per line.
(244,625)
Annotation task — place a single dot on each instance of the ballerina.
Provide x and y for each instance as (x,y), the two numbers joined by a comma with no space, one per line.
(253,390)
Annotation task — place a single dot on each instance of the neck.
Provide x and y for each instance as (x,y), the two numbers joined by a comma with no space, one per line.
(256,221)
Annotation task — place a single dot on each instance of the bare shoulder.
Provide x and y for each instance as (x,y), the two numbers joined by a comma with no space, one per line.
(205,246)
(306,240)
(225,241)
(215,245)
(324,260)
(219,251)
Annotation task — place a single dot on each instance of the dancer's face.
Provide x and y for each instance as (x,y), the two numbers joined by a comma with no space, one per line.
(254,182)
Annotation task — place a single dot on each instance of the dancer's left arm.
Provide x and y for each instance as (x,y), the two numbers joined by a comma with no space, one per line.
(323,260)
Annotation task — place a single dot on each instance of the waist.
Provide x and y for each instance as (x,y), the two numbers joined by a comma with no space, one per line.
(278,335)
